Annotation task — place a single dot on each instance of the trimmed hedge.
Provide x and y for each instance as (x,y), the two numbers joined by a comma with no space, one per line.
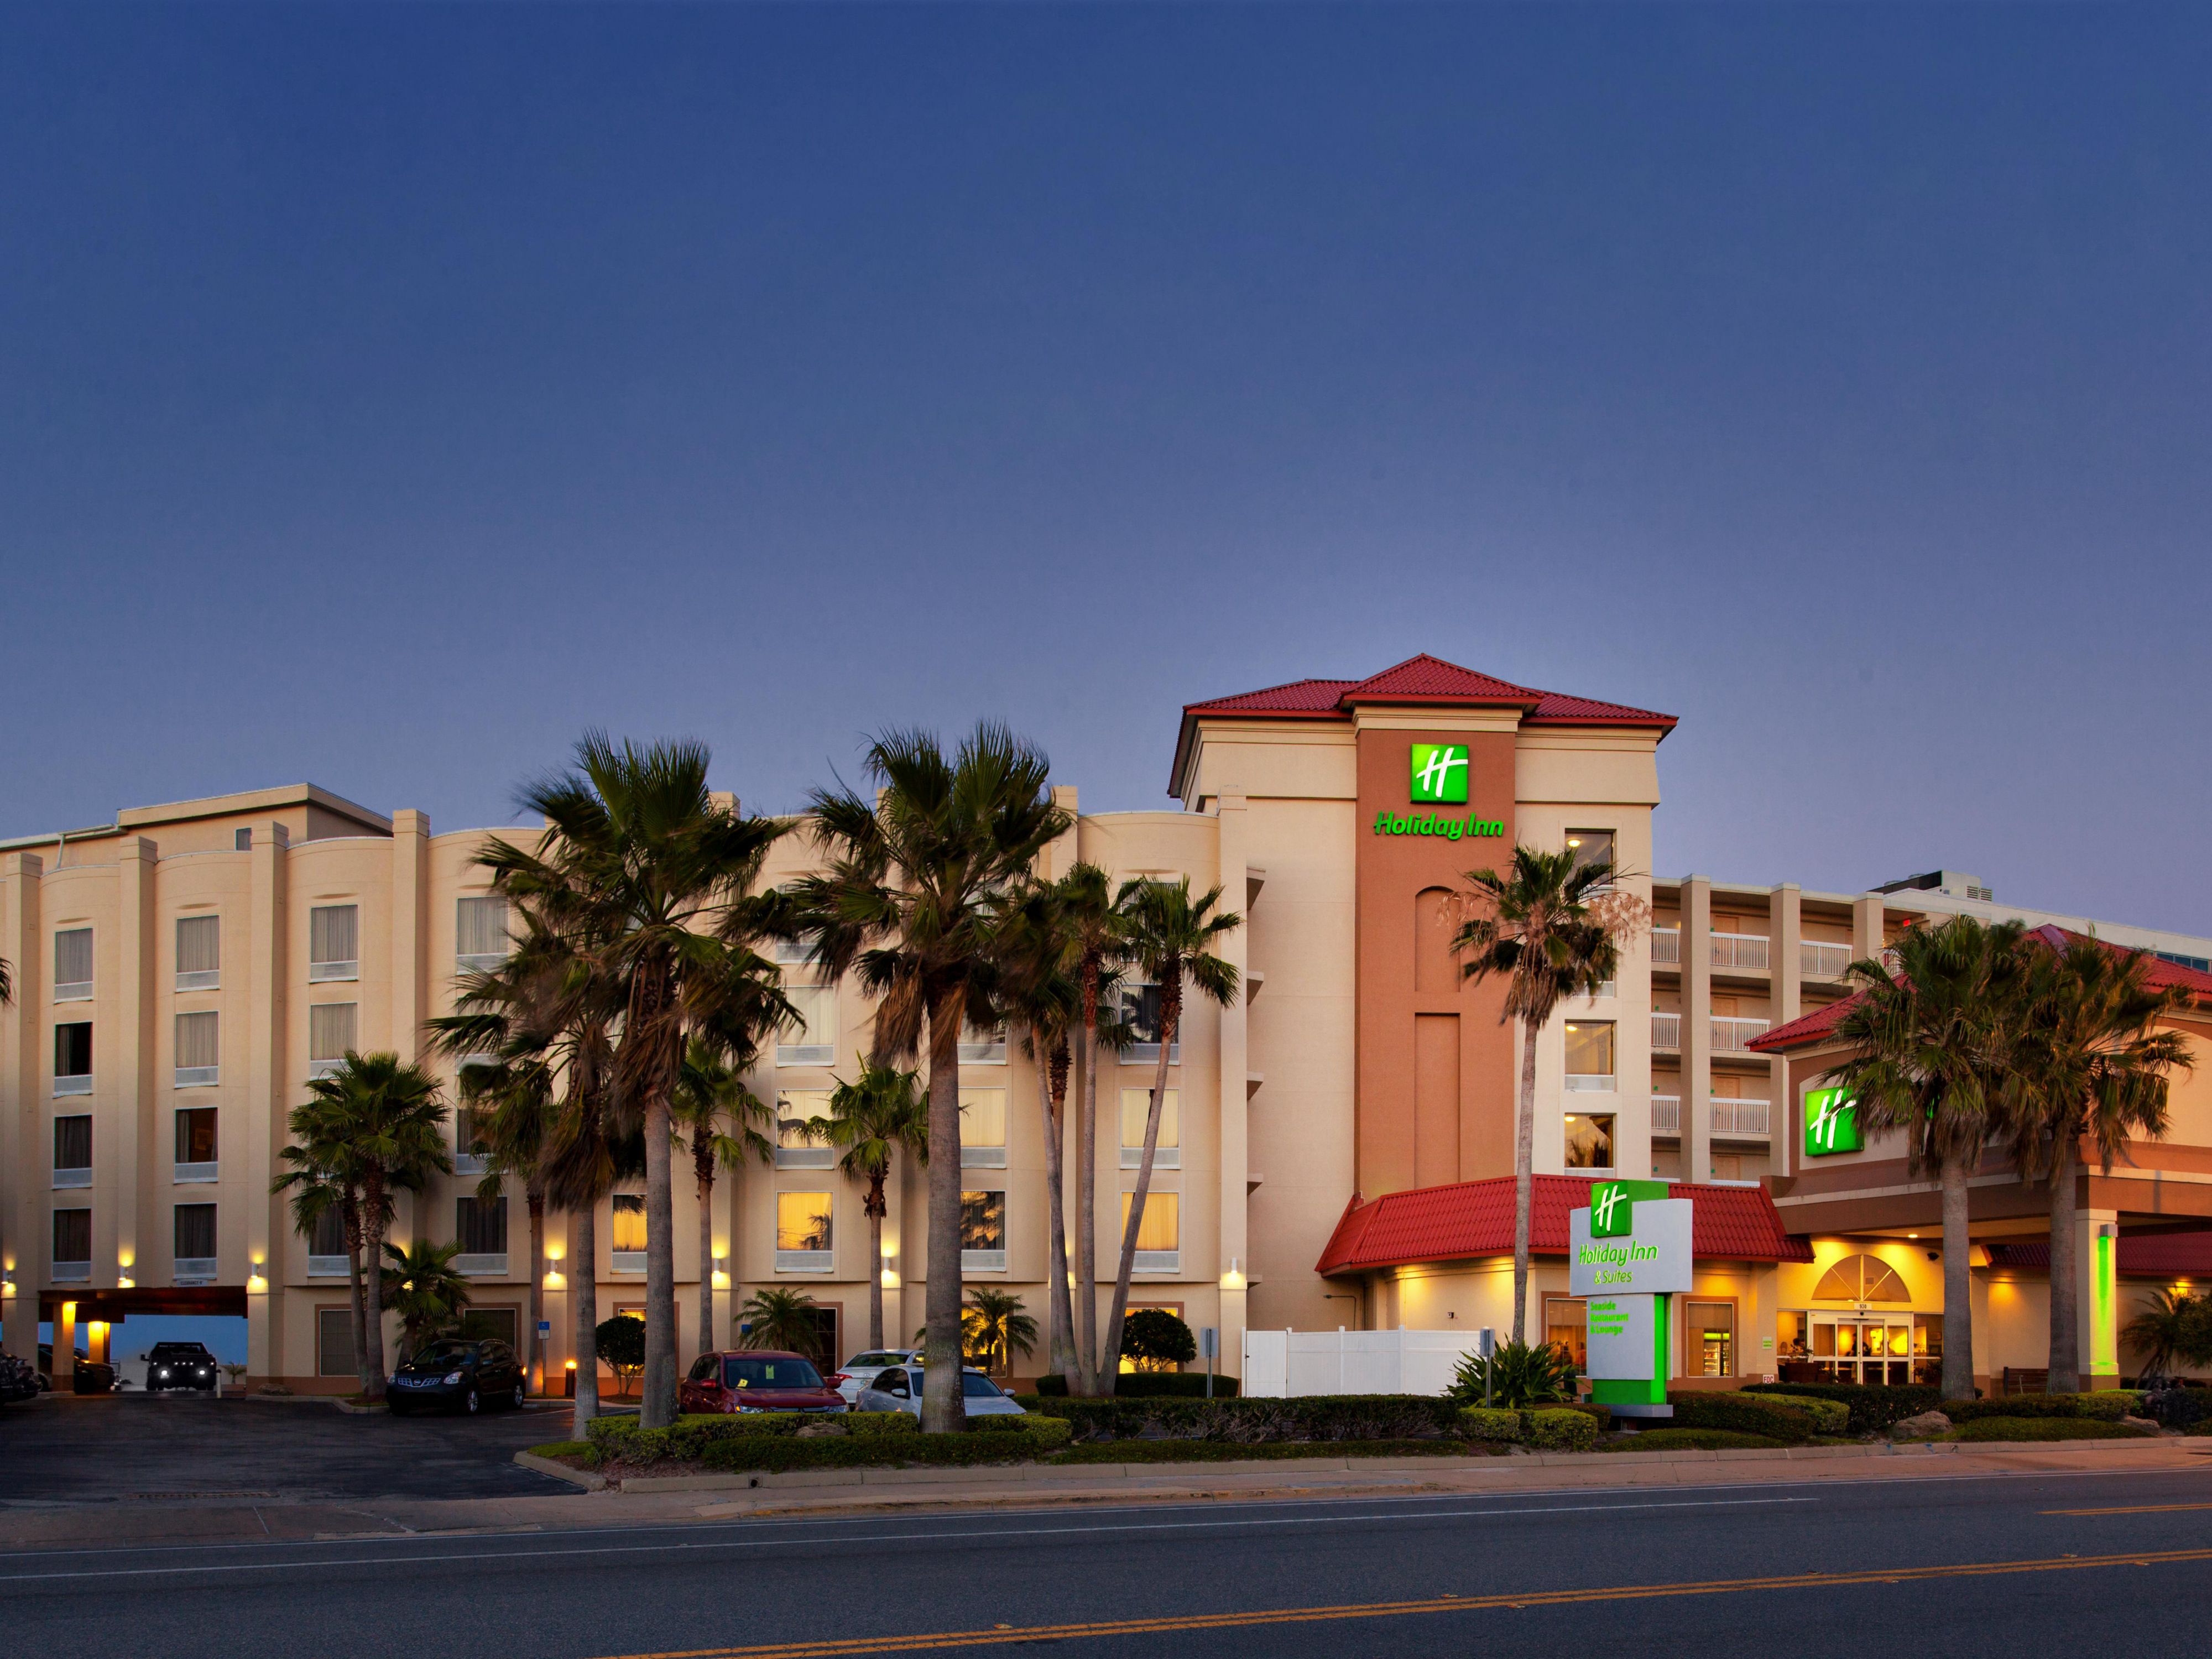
(2107,1406)
(1784,1421)
(1035,1438)
(1148,1385)
(686,1439)
(1219,1451)
(2043,1428)
(1873,1407)
(1552,1428)
(1333,1418)
(1491,1423)
(1654,1440)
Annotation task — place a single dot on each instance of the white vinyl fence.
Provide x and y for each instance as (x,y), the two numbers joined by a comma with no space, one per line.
(1284,1364)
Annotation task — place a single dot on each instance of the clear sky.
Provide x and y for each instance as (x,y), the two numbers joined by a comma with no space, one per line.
(388,394)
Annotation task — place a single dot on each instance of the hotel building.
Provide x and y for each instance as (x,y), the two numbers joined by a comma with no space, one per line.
(1338,1146)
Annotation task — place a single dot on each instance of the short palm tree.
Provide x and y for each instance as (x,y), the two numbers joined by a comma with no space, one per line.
(875,1119)
(919,882)
(994,1325)
(710,1093)
(777,1318)
(2093,1067)
(421,1286)
(1550,927)
(1170,940)
(380,1121)
(323,1181)
(1935,1042)
(2162,1329)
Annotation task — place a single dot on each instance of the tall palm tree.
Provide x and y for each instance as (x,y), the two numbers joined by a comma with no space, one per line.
(1170,940)
(995,1324)
(1551,928)
(711,1091)
(919,880)
(875,1119)
(777,1318)
(1935,1044)
(640,859)
(2093,1067)
(323,1178)
(381,1120)
(421,1286)
(1097,925)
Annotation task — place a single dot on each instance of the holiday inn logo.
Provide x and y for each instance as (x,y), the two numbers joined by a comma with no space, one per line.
(1612,1214)
(1832,1123)
(1439,774)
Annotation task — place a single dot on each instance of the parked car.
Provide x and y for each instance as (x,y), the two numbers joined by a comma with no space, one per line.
(899,1389)
(856,1373)
(92,1376)
(756,1380)
(179,1365)
(17,1380)
(460,1376)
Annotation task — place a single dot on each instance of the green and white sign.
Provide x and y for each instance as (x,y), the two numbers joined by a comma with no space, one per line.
(1627,1337)
(1832,1123)
(1439,774)
(1633,1240)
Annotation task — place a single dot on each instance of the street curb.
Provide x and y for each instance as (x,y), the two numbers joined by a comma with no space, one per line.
(584,1479)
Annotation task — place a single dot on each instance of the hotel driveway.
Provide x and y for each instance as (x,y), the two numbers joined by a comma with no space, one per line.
(63,1449)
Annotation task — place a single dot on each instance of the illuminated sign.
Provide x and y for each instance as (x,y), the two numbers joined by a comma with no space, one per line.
(1832,1123)
(1439,774)
(1436,823)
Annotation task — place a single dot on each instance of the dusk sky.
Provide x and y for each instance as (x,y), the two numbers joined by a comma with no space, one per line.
(388,394)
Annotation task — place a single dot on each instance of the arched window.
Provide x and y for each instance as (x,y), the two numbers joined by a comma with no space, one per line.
(1861,1278)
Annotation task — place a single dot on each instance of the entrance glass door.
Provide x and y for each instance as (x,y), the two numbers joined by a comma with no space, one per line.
(1869,1348)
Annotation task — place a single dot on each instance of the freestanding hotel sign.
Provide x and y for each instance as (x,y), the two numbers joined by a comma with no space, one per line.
(1629,1252)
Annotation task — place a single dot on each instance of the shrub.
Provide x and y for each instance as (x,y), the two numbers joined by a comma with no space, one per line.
(1483,1422)
(1654,1440)
(2109,1406)
(1154,1336)
(1215,1451)
(1873,1407)
(565,1451)
(1553,1429)
(1603,1413)
(1255,1422)
(1035,1437)
(1519,1374)
(2042,1428)
(1141,1385)
(2177,1408)
(1782,1420)
(686,1439)
(621,1343)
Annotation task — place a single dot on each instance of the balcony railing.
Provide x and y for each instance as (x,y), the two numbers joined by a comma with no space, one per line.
(1740,951)
(626,1261)
(1739,1117)
(481,1265)
(1817,959)
(81,1085)
(1163,1158)
(72,1272)
(1666,1115)
(983,1261)
(190,1173)
(197,1269)
(1666,945)
(1158,1261)
(78,1177)
(328,1267)
(806,1261)
(1732,1036)
(469,1163)
(1665,1030)
(982,1157)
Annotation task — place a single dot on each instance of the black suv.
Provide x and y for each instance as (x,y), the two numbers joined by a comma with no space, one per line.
(179,1365)
(464,1376)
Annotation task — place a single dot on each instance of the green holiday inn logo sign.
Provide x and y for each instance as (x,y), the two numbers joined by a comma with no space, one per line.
(1437,776)
(1832,1123)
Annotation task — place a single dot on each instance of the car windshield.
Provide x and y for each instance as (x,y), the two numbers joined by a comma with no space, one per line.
(979,1387)
(176,1350)
(445,1353)
(749,1373)
(861,1362)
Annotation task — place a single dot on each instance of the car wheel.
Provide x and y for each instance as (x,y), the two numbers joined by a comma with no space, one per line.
(472,1402)
(521,1393)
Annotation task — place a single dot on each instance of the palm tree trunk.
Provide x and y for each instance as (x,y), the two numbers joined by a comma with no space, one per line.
(656,1408)
(1109,1362)
(372,1284)
(1958,1287)
(707,1257)
(1524,1180)
(351,1215)
(2065,1269)
(535,1199)
(876,1207)
(1085,1295)
(1062,1314)
(583,1293)
(942,1406)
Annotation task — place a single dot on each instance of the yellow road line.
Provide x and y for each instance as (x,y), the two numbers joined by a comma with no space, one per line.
(838,1648)
(2132,1509)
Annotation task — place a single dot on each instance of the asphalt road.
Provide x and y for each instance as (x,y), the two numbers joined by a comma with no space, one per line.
(2017,1567)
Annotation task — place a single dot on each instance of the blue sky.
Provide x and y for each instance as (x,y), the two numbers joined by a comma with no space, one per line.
(387,394)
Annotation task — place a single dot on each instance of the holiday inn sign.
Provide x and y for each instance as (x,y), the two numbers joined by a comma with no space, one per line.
(1437,776)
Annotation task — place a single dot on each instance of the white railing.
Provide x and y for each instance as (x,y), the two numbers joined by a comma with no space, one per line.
(1665,1030)
(1589,1083)
(322,973)
(73,1085)
(626,1261)
(1666,1115)
(1732,1036)
(76,990)
(1739,1117)
(1817,959)
(991,1051)
(199,1076)
(469,1164)
(1163,1158)
(1745,951)
(817,1158)
(72,1272)
(982,1157)
(328,1267)
(74,1177)
(196,1269)
(481,1266)
(983,1261)
(189,1174)
(806,1261)
(1666,944)
(200,978)
(1158,1261)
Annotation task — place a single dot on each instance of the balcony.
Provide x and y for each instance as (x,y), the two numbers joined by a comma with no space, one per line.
(199,1174)
(1666,947)
(485,1265)
(1743,953)
(1746,1119)
(328,1267)
(983,1261)
(72,1272)
(1819,959)
(1733,1037)
(626,1261)
(806,1261)
(1665,1030)
(982,1157)
(74,1177)
(1666,1115)
(197,1269)
(73,1085)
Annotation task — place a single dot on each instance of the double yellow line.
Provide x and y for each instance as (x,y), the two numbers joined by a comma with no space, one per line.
(1002,1634)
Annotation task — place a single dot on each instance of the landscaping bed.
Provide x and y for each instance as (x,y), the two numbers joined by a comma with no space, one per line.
(1657,1440)
(1994,1427)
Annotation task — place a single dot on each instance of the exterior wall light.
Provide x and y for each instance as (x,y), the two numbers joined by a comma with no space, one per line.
(124,1282)
(890,1279)
(257,1283)
(721,1273)
(1234,1278)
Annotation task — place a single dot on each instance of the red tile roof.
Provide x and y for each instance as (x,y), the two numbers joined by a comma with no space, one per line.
(1475,1219)
(2153,1256)
(1422,680)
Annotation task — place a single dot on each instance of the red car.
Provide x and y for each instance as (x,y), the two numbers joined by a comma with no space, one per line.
(755,1380)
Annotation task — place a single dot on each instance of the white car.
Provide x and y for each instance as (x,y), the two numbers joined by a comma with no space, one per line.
(899,1389)
(862,1369)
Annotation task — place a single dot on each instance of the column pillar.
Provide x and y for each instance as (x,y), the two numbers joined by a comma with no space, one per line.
(137,1048)
(65,1366)
(1868,934)
(22,1204)
(2097,1298)
(1697,1028)
(1234,1245)
(271,1085)
(1785,934)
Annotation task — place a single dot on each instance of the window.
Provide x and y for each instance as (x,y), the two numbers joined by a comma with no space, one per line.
(199,953)
(480,1229)
(1159,1249)
(73,1151)
(751,1371)
(196,1147)
(326,1246)
(72,1244)
(795,952)
(1566,1324)
(480,940)
(1590,847)
(1590,1055)
(627,1243)
(496,1328)
(813,1041)
(1709,1338)
(333,1334)
(73,965)
(983,1233)
(1589,1140)
(796,1148)
(471,1155)
(332,1032)
(1138,1008)
(333,942)
(983,1048)
(198,1061)
(982,1128)
(702,1368)
(1136,1104)
(73,1058)
(241,841)
(802,1233)
(194,1234)
(1861,1278)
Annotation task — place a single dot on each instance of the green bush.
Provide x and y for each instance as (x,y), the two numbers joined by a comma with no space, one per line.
(565,1451)
(2043,1428)
(1254,1422)
(2109,1406)
(773,1454)
(1556,1428)
(1483,1423)
(1873,1407)
(1654,1440)
(687,1439)
(1144,1385)
(1603,1413)
(1783,1421)
(1218,1451)
(1158,1336)
(1519,1374)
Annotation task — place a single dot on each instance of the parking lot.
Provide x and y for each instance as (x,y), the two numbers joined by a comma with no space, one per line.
(61,1449)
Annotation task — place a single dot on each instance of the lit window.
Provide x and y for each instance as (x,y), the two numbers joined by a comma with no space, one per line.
(802,1232)
(801,1114)
(813,1040)
(1589,1140)
(1709,1337)
(1136,1104)
(627,1236)
(1160,1234)
(196,1144)
(1589,1054)
(983,1231)
(334,942)
(1590,847)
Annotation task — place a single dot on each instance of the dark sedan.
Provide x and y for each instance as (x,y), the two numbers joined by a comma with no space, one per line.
(452,1374)
(756,1380)
(179,1365)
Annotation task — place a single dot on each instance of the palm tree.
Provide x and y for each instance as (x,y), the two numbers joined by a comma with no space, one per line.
(421,1286)
(2161,1330)
(710,1091)
(919,882)
(1042,1002)
(1096,925)
(1935,1043)
(994,1325)
(1169,940)
(323,1179)
(2092,1067)
(378,1120)
(782,1319)
(642,861)
(1551,928)
(875,1119)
